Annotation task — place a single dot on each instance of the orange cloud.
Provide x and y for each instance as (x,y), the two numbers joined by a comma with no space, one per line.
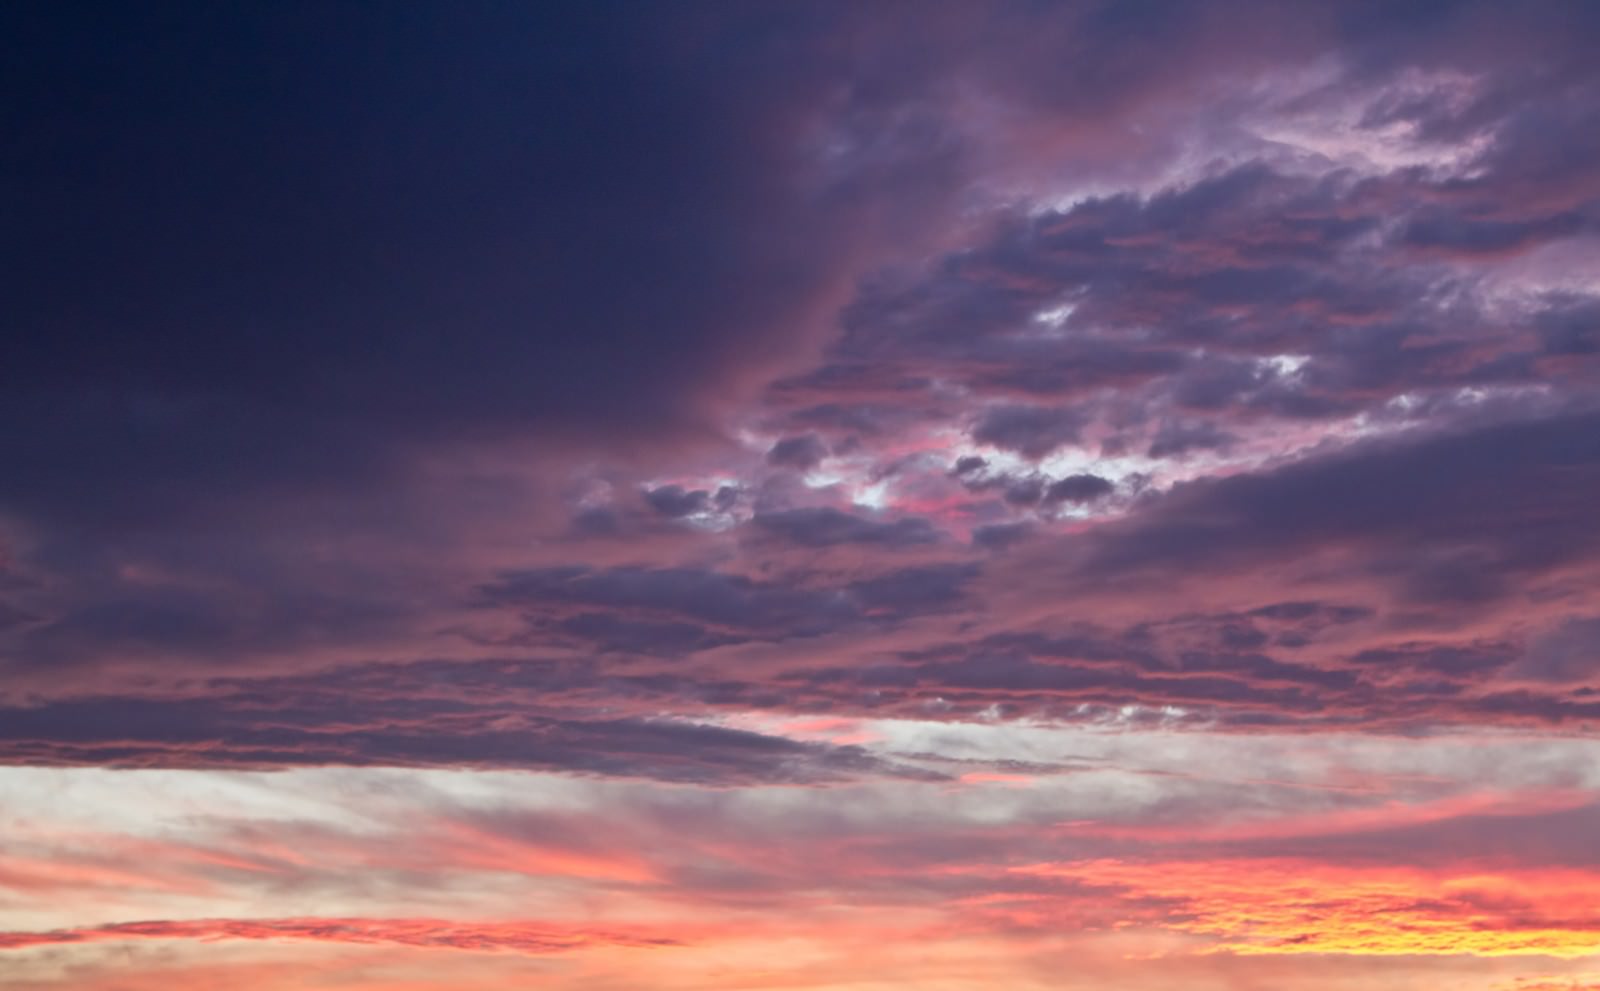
(1298,906)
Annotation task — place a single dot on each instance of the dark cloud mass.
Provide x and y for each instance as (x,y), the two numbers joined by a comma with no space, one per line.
(555,386)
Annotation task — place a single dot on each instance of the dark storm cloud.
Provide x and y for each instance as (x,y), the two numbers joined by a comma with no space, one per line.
(366,278)
(323,320)
(268,248)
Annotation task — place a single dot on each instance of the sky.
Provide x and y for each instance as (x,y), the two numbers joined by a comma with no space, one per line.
(800,496)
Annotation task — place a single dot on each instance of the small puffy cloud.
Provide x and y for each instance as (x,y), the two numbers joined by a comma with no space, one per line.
(1079,489)
(801,453)
(675,501)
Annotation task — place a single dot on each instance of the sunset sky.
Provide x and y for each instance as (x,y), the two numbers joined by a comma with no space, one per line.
(800,496)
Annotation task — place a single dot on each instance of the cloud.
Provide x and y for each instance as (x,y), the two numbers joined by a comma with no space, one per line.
(826,527)
(1570,653)
(1425,494)
(1031,431)
(998,536)
(515,937)
(1175,439)
(1092,493)
(325,726)
(1317,909)
(730,604)
(803,452)
(675,501)
(1295,318)
(1079,488)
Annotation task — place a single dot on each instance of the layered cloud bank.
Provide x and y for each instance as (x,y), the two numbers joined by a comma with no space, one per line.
(857,465)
